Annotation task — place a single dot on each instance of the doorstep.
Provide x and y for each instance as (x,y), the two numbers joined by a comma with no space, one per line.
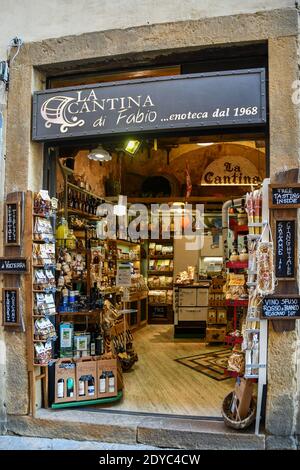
(164,432)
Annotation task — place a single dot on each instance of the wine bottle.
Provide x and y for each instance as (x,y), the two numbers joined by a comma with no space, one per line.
(60,388)
(81,387)
(91,385)
(102,382)
(70,387)
(111,382)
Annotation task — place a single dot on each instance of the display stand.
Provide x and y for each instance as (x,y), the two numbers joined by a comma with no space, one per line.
(99,401)
(261,374)
(36,370)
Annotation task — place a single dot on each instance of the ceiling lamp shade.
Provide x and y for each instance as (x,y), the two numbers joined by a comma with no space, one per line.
(99,154)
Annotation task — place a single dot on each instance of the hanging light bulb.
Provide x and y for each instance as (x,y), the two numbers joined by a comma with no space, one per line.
(99,154)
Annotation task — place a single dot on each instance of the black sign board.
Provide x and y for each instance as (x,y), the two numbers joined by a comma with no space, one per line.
(13,265)
(281,307)
(285,197)
(10,301)
(230,98)
(285,235)
(12,224)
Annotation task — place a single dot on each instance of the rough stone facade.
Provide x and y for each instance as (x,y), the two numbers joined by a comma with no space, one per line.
(140,45)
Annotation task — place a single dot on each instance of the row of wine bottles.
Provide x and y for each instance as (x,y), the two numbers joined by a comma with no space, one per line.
(80,201)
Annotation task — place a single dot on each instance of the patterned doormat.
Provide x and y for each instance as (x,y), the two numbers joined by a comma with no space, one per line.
(211,364)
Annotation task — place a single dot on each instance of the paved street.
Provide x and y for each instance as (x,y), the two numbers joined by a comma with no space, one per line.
(35,443)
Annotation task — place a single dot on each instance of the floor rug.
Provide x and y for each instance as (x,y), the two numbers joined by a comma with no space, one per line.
(211,364)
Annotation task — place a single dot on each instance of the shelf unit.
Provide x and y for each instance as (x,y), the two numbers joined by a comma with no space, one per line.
(67,191)
(160,312)
(237,266)
(37,372)
(138,300)
(217,305)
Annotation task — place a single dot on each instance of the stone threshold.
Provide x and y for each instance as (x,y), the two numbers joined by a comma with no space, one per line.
(157,431)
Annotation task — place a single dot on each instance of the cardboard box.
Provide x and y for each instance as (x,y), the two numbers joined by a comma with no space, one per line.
(216,334)
(243,390)
(222,316)
(65,381)
(107,377)
(86,378)
(212,315)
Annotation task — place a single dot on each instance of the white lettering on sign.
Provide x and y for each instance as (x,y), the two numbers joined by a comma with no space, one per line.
(64,110)
(283,307)
(282,196)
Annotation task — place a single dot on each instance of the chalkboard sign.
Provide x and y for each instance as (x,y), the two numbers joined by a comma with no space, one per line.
(12,224)
(281,307)
(13,265)
(10,302)
(285,197)
(285,235)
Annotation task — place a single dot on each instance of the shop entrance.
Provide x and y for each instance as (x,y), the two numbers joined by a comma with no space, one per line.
(183,318)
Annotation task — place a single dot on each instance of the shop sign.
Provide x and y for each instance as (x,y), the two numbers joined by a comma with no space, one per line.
(10,301)
(281,307)
(284,197)
(12,224)
(13,265)
(285,235)
(230,171)
(218,99)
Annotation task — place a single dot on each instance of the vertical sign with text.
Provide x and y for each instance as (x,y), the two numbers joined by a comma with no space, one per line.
(285,249)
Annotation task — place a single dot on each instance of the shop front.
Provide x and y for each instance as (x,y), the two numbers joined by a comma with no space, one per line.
(147,256)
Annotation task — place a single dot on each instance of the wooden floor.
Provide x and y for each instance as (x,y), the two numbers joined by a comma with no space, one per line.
(158,384)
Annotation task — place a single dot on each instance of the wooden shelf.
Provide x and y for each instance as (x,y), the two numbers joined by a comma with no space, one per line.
(149,200)
(83,313)
(126,242)
(43,216)
(43,340)
(85,191)
(161,288)
(44,291)
(161,257)
(44,266)
(78,212)
(159,305)
(46,315)
(157,273)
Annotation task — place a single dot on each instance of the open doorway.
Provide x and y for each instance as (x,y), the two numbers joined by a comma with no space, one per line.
(180,340)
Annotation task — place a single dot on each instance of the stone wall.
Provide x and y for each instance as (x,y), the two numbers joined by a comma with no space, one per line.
(139,45)
(35,21)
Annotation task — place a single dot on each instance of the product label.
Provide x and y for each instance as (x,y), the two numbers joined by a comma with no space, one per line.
(102,385)
(81,388)
(111,384)
(66,338)
(60,390)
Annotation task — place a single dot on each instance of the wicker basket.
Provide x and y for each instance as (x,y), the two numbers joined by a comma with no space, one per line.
(228,418)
